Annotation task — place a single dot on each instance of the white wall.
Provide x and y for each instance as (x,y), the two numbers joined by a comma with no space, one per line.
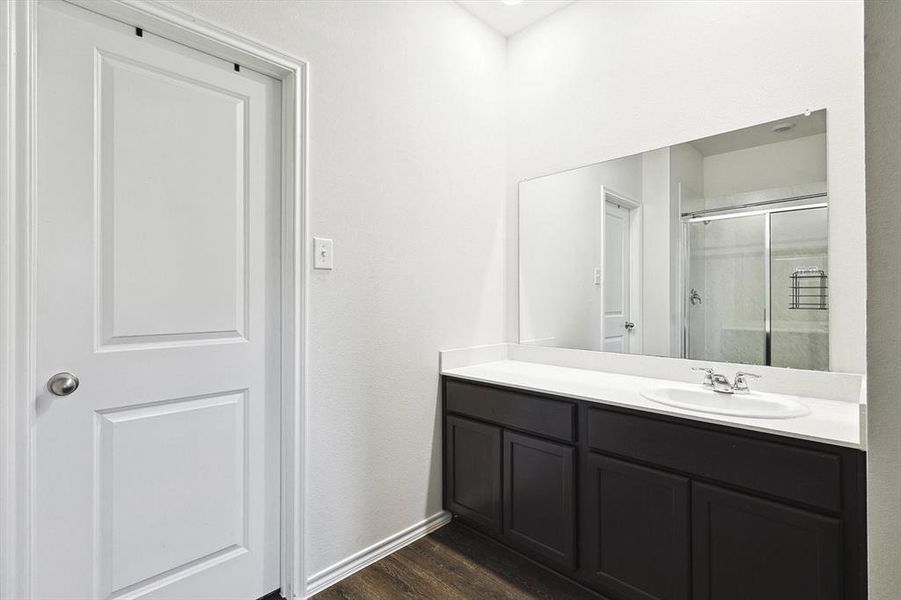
(778,165)
(883,130)
(654,326)
(407,144)
(688,174)
(600,80)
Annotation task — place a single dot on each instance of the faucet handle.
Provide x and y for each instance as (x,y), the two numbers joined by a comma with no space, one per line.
(741,381)
(708,374)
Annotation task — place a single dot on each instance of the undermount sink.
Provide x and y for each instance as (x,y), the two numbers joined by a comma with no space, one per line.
(755,405)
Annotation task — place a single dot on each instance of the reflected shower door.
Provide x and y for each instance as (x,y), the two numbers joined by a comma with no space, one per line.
(725,304)
(800,335)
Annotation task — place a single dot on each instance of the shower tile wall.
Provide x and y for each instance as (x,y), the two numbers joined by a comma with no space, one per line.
(800,337)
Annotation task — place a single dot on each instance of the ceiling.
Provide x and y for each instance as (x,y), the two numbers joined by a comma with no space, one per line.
(508,20)
(759,135)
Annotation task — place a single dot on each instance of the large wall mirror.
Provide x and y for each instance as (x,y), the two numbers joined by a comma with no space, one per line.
(714,249)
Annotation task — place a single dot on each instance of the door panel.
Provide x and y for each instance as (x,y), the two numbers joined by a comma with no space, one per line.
(159,235)
(158,286)
(473,455)
(617,272)
(148,459)
(637,540)
(539,498)
(746,549)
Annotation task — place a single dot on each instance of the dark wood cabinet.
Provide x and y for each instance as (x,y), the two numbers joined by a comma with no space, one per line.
(746,548)
(546,417)
(803,475)
(539,498)
(636,531)
(640,506)
(473,468)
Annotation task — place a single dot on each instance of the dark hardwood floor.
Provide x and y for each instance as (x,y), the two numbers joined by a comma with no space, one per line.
(455,562)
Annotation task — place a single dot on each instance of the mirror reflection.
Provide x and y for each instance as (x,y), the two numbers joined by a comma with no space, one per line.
(714,249)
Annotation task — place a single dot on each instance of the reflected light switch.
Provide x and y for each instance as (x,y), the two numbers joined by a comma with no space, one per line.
(322,253)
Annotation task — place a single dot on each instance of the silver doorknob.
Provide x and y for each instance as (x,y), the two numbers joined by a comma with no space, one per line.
(62,384)
(629,325)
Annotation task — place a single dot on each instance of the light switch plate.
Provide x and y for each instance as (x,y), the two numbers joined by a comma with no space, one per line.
(322,253)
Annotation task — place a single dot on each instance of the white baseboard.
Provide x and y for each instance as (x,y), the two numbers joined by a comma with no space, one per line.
(350,565)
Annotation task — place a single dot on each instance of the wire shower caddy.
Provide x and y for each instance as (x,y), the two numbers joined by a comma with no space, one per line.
(809,289)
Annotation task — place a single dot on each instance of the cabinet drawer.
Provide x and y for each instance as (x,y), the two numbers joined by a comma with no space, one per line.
(552,418)
(798,474)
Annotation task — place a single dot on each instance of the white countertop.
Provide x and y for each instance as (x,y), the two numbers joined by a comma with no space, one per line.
(830,421)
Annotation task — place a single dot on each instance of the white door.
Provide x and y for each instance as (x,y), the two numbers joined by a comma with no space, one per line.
(158,287)
(616,282)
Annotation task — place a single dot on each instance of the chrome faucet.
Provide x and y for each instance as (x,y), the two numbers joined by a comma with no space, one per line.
(720,383)
(708,375)
(741,382)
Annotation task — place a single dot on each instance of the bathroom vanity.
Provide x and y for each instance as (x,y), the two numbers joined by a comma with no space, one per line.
(669,426)
(641,501)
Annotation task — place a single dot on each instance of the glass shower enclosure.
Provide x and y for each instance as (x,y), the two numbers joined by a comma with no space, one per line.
(754,284)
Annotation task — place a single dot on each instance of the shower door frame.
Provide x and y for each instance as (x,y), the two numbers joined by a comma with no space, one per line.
(767,209)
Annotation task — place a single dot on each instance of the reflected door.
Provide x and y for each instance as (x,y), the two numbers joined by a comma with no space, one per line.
(726,303)
(158,286)
(617,267)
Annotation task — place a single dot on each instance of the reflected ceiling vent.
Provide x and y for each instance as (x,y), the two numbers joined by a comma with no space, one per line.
(783,127)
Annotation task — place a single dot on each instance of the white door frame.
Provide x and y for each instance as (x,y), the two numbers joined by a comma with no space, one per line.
(17,268)
(635,254)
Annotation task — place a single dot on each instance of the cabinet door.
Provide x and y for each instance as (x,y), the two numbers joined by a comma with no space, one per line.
(473,471)
(636,544)
(746,548)
(539,498)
